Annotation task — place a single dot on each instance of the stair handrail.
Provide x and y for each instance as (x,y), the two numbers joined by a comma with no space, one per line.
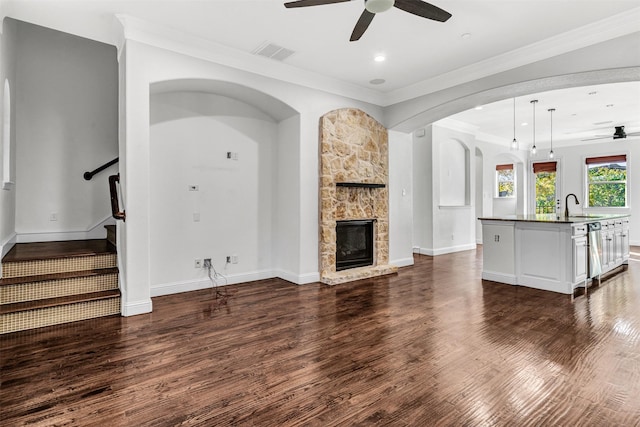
(113,191)
(89,175)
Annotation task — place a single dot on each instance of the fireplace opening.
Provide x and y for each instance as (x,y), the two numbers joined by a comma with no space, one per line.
(354,244)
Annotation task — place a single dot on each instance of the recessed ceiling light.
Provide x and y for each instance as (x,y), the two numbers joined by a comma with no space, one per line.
(377,81)
(524,124)
(379,58)
(466,35)
(609,105)
(593,93)
(479,107)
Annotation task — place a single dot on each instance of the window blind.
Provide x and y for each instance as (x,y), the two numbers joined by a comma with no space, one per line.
(504,167)
(606,159)
(544,167)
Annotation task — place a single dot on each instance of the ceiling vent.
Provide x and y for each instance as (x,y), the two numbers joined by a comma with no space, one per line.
(273,51)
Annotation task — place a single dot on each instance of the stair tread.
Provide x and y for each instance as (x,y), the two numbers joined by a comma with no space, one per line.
(57,276)
(54,250)
(52,302)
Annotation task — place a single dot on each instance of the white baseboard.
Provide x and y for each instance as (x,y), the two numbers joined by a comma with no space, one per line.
(95,231)
(403,262)
(450,249)
(509,279)
(298,279)
(136,307)
(7,244)
(198,284)
(634,243)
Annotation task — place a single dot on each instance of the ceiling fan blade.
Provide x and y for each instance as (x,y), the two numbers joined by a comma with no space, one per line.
(424,9)
(305,3)
(597,137)
(362,25)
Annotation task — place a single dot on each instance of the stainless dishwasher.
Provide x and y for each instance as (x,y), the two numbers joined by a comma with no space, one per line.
(594,245)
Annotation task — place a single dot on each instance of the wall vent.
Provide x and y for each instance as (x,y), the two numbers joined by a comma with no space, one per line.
(273,51)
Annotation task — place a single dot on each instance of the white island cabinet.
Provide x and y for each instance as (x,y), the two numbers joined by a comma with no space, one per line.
(549,252)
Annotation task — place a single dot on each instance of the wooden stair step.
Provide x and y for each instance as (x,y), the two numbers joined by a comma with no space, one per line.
(53,250)
(55,311)
(53,302)
(57,276)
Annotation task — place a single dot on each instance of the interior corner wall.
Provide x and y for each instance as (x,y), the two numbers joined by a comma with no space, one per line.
(66,124)
(8,72)
(453,225)
(230,213)
(400,198)
(286,212)
(423,190)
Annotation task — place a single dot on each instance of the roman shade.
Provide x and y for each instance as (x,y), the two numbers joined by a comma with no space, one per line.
(606,159)
(544,167)
(504,167)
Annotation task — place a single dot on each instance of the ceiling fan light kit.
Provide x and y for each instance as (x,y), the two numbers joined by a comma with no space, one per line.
(372,7)
(377,6)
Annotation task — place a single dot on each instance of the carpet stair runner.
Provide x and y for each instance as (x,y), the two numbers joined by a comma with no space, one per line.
(50,283)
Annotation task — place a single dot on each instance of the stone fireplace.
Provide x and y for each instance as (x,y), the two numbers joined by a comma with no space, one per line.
(353,192)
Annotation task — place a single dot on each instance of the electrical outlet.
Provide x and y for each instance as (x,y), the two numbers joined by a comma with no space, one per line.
(198,263)
(207,263)
(53,216)
(228,259)
(234,259)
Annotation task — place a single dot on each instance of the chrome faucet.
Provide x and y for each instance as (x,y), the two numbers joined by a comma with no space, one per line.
(566,204)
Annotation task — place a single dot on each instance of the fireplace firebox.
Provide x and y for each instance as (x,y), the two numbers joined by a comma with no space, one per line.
(354,244)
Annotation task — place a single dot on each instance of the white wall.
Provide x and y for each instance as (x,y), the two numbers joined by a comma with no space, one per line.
(572,174)
(142,66)
(190,136)
(444,191)
(8,72)
(400,198)
(423,189)
(66,124)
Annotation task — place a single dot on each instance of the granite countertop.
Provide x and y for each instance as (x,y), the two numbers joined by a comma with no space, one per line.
(553,218)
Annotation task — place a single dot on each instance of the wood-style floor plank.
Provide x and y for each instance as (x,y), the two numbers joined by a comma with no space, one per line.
(433,345)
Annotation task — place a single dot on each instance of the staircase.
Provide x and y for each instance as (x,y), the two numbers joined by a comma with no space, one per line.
(50,283)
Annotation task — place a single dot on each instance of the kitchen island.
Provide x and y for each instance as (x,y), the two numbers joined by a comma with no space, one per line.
(551,252)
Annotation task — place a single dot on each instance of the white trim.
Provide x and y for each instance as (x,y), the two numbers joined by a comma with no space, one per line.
(195,285)
(7,244)
(402,262)
(447,250)
(509,279)
(596,32)
(634,242)
(183,43)
(298,279)
(95,231)
(136,307)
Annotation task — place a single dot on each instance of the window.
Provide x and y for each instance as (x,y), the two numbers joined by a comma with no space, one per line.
(505,179)
(545,174)
(606,181)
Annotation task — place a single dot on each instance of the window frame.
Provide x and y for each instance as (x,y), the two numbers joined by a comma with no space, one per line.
(532,208)
(507,166)
(586,183)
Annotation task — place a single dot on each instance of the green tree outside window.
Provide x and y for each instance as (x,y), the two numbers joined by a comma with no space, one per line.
(607,184)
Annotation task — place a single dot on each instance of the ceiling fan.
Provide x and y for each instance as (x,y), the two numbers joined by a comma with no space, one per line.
(372,7)
(618,134)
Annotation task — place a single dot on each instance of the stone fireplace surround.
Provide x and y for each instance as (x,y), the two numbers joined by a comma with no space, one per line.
(353,185)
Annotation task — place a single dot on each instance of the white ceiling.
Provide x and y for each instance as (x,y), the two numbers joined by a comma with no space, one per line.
(580,113)
(422,55)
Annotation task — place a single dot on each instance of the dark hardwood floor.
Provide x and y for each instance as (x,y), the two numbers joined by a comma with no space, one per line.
(434,345)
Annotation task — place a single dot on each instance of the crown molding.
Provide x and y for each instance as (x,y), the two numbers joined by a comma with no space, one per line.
(457,125)
(597,32)
(138,30)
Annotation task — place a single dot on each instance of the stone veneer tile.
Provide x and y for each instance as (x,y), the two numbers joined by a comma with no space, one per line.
(353,148)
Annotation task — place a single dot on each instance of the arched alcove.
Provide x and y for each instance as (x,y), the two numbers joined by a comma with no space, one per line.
(455,169)
(216,157)
(6,137)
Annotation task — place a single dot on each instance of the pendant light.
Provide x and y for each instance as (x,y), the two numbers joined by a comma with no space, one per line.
(514,143)
(551,155)
(533,148)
